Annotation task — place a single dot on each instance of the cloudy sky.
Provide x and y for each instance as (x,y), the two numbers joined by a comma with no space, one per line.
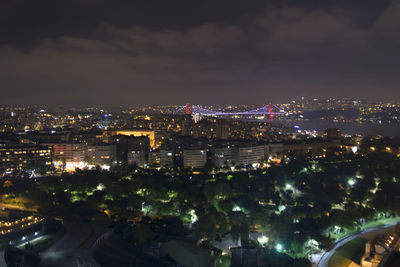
(111,52)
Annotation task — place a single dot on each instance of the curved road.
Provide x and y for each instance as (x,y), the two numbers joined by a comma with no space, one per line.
(15,207)
(323,262)
(73,250)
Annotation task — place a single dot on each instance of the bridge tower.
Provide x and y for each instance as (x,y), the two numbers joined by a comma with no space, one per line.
(187,123)
(188,109)
(271,112)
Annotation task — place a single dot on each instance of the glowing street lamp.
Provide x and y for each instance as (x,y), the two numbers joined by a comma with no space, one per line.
(263,240)
(351,182)
(288,187)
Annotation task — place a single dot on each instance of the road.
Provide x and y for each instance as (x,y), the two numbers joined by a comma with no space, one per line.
(2,260)
(73,249)
(323,262)
(15,207)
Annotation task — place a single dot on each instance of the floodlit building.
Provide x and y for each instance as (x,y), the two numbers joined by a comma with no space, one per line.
(149,133)
(69,152)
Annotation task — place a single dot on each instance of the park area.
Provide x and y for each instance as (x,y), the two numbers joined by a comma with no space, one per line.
(348,253)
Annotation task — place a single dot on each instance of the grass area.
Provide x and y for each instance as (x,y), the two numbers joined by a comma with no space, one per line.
(17,203)
(343,255)
(381,222)
(45,242)
(367,225)
(223,261)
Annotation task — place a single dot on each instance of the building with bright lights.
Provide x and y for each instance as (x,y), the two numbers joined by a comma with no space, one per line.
(161,158)
(69,152)
(235,155)
(17,159)
(154,159)
(149,133)
(99,155)
(381,251)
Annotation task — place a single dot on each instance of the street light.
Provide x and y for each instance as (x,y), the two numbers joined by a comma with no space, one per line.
(351,182)
(263,240)
(288,187)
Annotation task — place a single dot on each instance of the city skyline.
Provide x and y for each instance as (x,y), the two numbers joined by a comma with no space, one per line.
(117,52)
(208,133)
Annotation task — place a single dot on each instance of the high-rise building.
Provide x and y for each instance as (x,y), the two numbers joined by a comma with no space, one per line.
(154,159)
(224,157)
(275,150)
(234,155)
(166,158)
(221,130)
(194,158)
(48,137)
(17,159)
(187,125)
(161,158)
(69,152)
(104,154)
(136,133)
(126,143)
(88,137)
(137,157)
(250,155)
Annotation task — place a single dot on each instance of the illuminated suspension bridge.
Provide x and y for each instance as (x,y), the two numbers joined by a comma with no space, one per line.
(269,110)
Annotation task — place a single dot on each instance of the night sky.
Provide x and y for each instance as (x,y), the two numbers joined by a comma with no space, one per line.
(112,52)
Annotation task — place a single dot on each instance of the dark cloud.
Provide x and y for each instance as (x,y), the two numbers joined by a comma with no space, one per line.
(273,54)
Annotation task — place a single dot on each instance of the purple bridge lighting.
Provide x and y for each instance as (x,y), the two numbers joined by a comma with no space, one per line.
(266,110)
